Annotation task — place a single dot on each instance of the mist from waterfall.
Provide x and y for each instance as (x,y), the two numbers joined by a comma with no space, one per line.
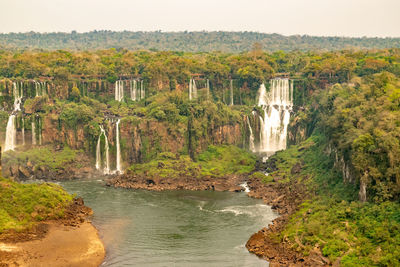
(11,130)
(119,168)
(106,160)
(119,90)
(276,104)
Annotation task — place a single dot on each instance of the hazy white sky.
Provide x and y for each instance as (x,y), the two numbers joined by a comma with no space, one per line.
(314,17)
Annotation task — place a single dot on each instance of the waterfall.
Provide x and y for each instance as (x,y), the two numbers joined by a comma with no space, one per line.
(33,133)
(119,169)
(40,88)
(133,90)
(251,138)
(231,91)
(11,130)
(119,90)
(142,91)
(106,163)
(276,104)
(192,89)
(37,88)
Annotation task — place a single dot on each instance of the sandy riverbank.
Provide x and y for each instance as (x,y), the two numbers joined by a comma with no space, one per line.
(61,246)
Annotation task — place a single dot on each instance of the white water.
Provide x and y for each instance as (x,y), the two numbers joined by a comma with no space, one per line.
(252,147)
(40,88)
(142,90)
(192,89)
(33,133)
(133,90)
(119,90)
(231,92)
(119,168)
(276,104)
(106,161)
(245,187)
(11,130)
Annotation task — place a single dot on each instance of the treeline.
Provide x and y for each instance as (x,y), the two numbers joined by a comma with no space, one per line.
(250,68)
(228,42)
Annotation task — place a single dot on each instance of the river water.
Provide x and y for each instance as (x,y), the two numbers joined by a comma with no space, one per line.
(173,228)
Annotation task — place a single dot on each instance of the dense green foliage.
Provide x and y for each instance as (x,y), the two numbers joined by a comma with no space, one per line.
(187,41)
(332,220)
(216,161)
(43,157)
(22,205)
(361,120)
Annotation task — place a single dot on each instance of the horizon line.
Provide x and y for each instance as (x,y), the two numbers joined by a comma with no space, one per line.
(201,31)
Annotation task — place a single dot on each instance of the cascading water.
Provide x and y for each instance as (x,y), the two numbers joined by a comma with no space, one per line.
(142,90)
(133,90)
(119,90)
(33,133)
(40,88)
(11,130)
(276,104)
(119,168)
(106,161)
(252,147)
(192,89)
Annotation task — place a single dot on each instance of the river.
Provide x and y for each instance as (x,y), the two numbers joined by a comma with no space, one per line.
(173,228)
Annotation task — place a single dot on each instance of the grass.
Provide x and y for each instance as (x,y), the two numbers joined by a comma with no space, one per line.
(345,230)
(22,205)
(216,161)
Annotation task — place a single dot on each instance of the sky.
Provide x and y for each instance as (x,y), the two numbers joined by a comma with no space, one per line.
(372,18)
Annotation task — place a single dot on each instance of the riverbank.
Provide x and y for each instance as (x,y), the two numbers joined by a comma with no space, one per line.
(70,240)
(61,246)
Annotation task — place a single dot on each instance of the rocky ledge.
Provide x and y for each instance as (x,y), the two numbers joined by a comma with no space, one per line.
(227,183)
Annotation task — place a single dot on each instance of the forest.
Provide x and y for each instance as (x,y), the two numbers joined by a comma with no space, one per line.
(344,127)
(202,41)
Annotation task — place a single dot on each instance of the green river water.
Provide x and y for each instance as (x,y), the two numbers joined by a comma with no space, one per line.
(173,228)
